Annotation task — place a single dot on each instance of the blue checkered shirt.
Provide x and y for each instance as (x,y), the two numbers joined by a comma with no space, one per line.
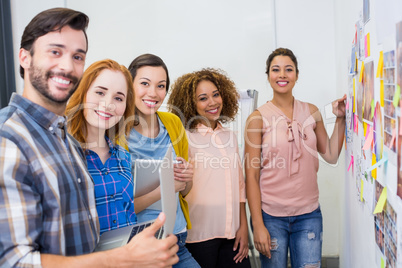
(113,187)
(47,202)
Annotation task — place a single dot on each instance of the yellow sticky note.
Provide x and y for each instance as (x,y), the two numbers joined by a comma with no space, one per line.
(356,62)
(361,72)
(368,44)
(380,64)
(354,94)
(382,93)
(372,108)
(382,263)
(397,96)
(373,162)
(381,201)
(365,129)
(361,189)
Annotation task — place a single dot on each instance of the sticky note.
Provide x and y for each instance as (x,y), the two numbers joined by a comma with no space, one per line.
(382,263)
(368,44)
(381,201)
(356,63)
(361,72)
(351,163)
(369,139)
(397,96)
(391,144)
(364,129)
(361,189)
(354,94)
(380,64)
(372,108)
(373,162)
(379,163)
(347,104)
(382,93)
(356,127)
(400,124)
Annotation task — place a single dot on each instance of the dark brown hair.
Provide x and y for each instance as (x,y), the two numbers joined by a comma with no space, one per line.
(52,20)
(182,100)
(281,52)
(148,60)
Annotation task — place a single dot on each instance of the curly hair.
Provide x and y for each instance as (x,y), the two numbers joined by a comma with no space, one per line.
(183,102)
(75,112)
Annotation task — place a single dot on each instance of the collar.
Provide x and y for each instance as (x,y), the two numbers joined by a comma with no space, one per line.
(203,129)
(43,117)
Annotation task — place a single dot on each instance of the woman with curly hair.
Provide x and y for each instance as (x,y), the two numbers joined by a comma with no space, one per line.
(219,236)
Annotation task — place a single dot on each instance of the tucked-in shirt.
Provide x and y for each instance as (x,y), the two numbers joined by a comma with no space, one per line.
(289,164)
(218,184)
(113,187)
(142,147)
(47,202)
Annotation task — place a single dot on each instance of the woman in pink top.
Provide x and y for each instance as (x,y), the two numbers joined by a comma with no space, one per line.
(219,234)
(282,140)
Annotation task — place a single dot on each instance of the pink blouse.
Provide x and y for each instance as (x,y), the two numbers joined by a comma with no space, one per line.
(289,164)
(218,184)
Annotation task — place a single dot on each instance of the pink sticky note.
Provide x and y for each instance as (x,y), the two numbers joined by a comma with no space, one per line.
(355,121)
(351,162)
(365,47)
(347,105)
(369,138)
(400,123)
(391,144)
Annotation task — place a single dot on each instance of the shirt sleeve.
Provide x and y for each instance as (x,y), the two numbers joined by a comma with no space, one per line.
(20,210)
(242,183)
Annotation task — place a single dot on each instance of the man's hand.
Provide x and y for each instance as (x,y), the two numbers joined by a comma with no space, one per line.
(144,250)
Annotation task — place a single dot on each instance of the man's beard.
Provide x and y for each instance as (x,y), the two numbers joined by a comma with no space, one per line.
(39,80)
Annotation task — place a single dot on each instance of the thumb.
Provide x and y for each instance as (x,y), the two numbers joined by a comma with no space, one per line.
(158,223)
(236,243)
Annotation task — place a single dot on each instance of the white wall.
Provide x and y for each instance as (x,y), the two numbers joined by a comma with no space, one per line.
(307,27)
(22,11)
(236,36)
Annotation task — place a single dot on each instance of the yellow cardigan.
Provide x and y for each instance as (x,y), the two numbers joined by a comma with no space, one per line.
(179,140)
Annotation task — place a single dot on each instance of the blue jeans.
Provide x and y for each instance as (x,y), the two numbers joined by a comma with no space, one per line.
(302,235)
(186,260)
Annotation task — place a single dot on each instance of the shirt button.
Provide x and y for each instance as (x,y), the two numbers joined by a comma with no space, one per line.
(114,221)
(106,173)
(111,196)
(79,180)
(50,128)
(89,216)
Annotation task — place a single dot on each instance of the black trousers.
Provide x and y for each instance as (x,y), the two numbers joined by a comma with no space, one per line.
(216,253)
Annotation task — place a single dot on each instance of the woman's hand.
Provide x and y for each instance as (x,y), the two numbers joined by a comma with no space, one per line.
(183,176)
(241,242)
(262,241)
(339,107)
(183,171)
